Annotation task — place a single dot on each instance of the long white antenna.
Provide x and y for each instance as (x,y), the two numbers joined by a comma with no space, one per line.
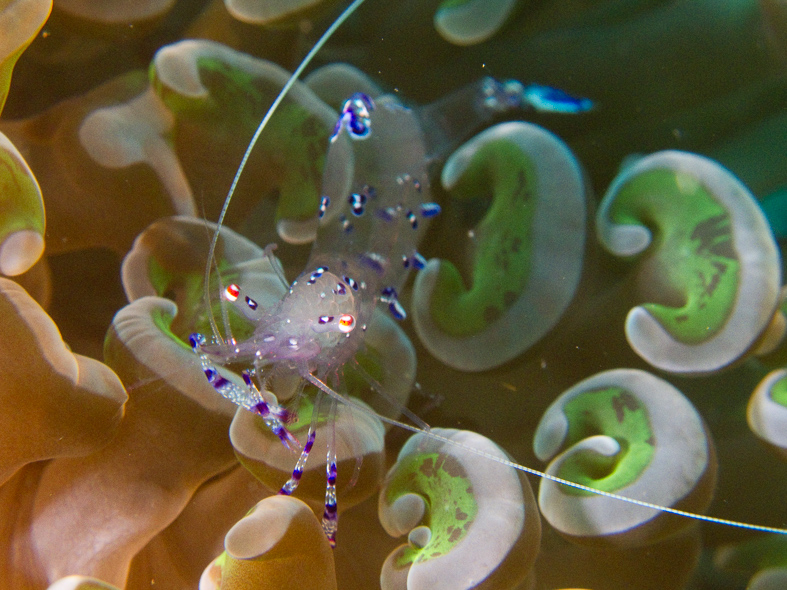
(514,465)
(285,89)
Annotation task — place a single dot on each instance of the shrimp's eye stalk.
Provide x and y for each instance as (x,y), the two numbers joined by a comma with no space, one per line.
(346,323)
(232,292)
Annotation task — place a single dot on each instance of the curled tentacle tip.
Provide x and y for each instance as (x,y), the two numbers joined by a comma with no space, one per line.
(23,224)
(630,433)
(137,132)
(527,250)
(20,251)
(708,264)
(278,544)
(457,508)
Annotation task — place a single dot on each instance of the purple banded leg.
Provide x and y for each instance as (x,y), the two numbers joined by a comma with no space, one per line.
(273,416)
(251,398)
(292,483)
(330,518)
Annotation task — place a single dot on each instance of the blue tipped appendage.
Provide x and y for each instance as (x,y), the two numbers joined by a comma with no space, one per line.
(355,117)
(501,96)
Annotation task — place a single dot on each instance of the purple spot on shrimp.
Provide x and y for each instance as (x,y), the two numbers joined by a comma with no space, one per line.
(358,129)
(286,437)
(251,303)
(318,272)
(430,209)
(261,408)
(355,117)
(196,340)
(418,261)
(412,219)
(357,203)
(219,382)
(324,319)
(339,290)
(396,309)
(373,261)
(325,201)
(350,282)
(386,214)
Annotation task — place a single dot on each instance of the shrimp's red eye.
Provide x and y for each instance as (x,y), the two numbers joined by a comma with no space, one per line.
(232,292)
(346,323)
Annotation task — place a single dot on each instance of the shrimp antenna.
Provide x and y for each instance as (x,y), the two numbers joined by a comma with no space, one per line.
(514,465)
(272,109)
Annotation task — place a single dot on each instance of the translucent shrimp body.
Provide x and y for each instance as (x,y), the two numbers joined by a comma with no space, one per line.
(372,216)
(306,327)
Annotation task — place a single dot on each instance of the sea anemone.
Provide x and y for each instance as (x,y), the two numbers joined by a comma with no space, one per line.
(123,122)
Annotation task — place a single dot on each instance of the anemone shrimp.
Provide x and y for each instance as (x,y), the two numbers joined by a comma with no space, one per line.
(366,245)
